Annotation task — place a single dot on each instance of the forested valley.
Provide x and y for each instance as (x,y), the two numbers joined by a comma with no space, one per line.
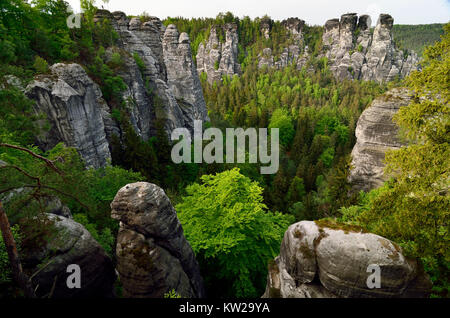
(233,217)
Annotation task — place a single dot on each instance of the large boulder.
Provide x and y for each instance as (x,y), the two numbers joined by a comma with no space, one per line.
(70,244)
(153,256)
(322,260)
(376,133)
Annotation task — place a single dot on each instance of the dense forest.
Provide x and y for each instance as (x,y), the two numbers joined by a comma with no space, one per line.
(316,115)
(417,37)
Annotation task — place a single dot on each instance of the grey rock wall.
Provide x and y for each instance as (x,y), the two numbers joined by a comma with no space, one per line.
(217,59)
(376,133)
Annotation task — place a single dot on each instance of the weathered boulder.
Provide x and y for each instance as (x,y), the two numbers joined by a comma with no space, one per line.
(71,244)
(217,59)
(75,109)
(319,260)
(153,256)
(376,133)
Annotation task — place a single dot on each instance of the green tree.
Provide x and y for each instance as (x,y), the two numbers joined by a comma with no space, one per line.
(231,232)
(281,119)
(413,209)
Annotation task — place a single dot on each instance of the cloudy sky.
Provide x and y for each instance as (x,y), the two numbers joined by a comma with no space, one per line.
(312,11)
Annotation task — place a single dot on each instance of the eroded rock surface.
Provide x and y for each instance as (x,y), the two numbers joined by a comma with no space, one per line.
(355,53)
(153,256)
(217,59)
(162,86)
(323,262)
(376,133)
(76,111)
(72,244)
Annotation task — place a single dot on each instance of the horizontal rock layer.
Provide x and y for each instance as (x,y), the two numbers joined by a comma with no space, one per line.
(376,133)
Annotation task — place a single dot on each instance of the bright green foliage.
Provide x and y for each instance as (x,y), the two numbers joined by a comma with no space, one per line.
(105,238)
(281,119)
(231,232)
(172,294)
(40,65)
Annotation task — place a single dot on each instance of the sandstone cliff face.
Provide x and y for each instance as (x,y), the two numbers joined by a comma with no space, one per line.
(76,112)
(376,134)
(320,262)
(182,76)
(218,59)
(354,53)
(177,96)
(292,53)
(153,256)
(167,89)
(351,48)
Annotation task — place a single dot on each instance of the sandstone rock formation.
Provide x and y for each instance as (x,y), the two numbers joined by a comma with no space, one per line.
(352,50)
(168,88)
(165,88)
(76,112)
(290,54)
(182,75)
(153,256)
(217,59)
(72,244)
(376,133)
(354,53)
(317,261)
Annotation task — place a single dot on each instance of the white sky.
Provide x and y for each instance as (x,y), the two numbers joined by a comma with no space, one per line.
(312,11)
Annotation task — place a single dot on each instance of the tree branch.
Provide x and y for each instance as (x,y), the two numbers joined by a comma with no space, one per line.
(48,162)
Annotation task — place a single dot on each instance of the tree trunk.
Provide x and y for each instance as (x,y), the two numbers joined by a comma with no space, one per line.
(16,267)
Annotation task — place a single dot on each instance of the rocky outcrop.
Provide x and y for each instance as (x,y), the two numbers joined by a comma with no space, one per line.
(354,53)
(162,84)
(75,110)
(217,59)
(290,54)
(182,75)
(168,88)
(323,261)
(153,256)
(265,26)
(376,133)
(71,244)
